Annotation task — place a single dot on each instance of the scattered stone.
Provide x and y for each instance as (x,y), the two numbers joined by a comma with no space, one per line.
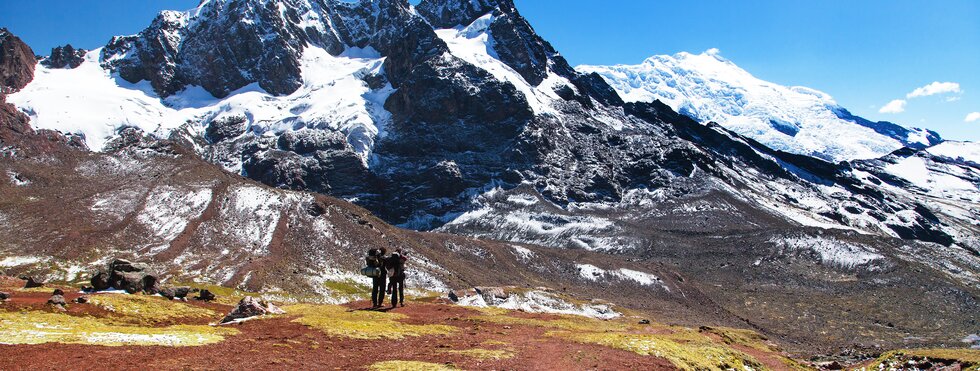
(644,322)
(58,292)
(31,283)
(205,295)
(81,299)
(251,307)
(4,296)
(167,292)
(58,300)
(181,292)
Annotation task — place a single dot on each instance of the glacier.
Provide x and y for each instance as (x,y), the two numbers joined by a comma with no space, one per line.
(795,119)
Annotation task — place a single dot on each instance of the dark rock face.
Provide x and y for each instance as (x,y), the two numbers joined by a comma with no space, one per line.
(65,57)
(17,63)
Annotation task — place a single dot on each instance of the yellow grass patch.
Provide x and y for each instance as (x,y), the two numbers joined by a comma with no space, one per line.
(409,366)
(34,327)
(483,354)
(340,321)
(148,310)
(685,350)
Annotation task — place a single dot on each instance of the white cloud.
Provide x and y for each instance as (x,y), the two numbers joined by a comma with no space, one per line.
(972,116)
(712,51)
(895,106)
(935,88)
(953,98)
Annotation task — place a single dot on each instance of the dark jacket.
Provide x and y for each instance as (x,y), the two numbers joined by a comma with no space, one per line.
(396,265)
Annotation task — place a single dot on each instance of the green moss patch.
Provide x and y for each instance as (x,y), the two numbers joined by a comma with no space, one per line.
(409,366)
(348,287)
(339,321)
(149,310)
(34,327)
(735,336)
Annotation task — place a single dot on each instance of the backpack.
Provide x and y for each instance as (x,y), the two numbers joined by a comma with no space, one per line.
(373,272)
(374,264)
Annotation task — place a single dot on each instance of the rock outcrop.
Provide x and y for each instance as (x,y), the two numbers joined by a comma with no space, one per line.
(125,275)
(250,307)
(17,63)
(65,57)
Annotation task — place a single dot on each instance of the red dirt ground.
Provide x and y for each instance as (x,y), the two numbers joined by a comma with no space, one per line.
(280,344)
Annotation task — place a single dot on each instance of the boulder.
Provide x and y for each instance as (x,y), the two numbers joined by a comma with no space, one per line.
(205,295)
(57,300)
(120,265)
(81,299)
(4,296)
(182,292)
(134,282)
(251,307)
(31,283)
(100,281)
(167,292)
(58,292)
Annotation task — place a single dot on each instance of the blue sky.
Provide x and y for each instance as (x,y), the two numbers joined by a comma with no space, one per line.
(865,53)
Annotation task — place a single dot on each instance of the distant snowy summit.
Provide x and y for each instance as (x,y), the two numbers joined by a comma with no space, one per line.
(794,119)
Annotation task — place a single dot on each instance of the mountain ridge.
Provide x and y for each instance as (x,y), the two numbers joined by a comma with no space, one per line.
(796,119)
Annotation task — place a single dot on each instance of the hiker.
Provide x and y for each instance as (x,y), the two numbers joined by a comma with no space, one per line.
(376,270)
(395,265)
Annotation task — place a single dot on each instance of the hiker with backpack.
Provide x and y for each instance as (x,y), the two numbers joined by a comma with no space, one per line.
(395,265)
(376,270)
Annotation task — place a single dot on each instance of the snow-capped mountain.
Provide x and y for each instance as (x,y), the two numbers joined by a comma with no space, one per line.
(795,119)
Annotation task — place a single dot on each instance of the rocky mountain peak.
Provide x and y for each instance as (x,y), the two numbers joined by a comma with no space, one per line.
(16,62)
(452,13)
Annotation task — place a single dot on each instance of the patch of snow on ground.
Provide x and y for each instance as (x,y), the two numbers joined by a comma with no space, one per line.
(832,251)
(523,200)
(169,209)
(537,301)
(596,274)
(916,171)
(16,261)
(523,254)
(17,180)
(964,151)
(252,214)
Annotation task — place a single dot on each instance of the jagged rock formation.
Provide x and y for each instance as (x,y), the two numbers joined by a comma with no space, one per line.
(65,57)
